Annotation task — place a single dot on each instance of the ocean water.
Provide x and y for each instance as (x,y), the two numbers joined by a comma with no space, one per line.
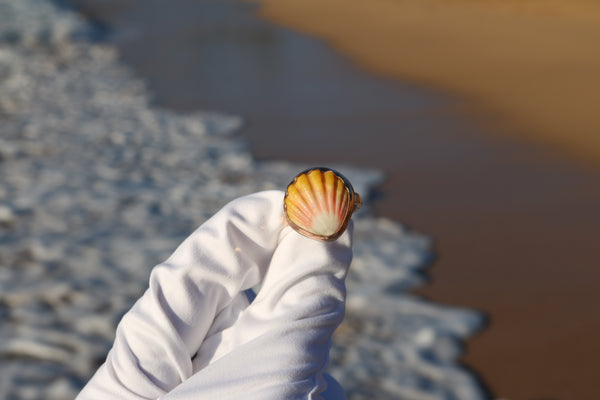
(97,186)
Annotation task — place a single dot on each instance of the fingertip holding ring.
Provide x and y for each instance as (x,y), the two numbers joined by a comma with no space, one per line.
(319,203)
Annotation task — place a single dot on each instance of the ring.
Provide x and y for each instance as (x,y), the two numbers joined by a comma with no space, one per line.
(319,202)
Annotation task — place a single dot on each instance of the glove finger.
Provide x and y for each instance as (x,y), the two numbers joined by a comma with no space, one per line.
(279,346)
(158,337)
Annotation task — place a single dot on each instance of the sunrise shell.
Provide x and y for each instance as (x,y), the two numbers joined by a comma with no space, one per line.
(319,203)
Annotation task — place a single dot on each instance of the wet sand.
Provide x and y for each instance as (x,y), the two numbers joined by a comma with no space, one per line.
(515,223)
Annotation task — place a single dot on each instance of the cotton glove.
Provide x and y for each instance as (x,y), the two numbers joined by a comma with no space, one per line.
(195,333)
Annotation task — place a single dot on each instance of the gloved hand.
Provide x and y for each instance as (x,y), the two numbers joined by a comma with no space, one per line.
(195,333)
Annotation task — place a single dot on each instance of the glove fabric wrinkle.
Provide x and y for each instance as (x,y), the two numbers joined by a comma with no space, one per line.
(195,334)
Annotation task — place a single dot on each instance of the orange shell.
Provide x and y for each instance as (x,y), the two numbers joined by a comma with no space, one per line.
(319,203)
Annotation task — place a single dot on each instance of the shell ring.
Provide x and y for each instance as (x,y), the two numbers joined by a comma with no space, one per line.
(319,203)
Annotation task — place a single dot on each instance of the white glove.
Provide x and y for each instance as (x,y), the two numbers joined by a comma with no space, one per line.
(195,334)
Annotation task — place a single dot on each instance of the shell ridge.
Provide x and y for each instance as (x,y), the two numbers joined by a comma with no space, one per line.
(313,177)
(299,201)
(310,200)
(330,182)
(299,214)
(297,209)
(344,204)
(340,199)
(325,198)
(324,193)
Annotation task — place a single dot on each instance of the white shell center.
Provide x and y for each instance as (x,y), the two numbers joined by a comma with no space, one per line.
(325,223)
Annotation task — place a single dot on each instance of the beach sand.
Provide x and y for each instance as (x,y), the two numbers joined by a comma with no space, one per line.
(516,235)
(533,64)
